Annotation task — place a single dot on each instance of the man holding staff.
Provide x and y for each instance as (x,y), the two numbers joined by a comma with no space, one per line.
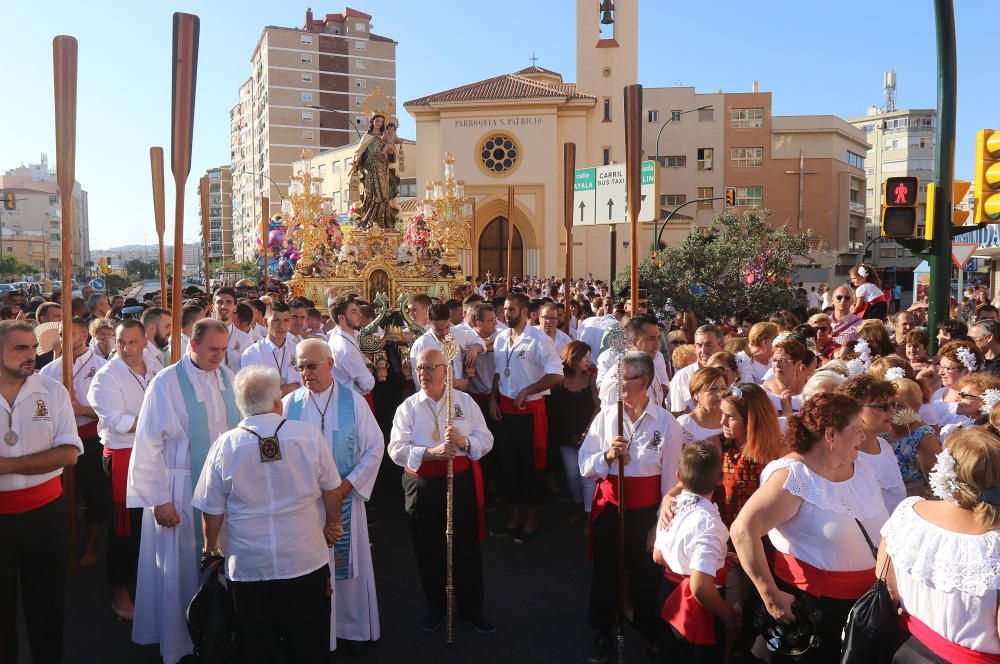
(422,444)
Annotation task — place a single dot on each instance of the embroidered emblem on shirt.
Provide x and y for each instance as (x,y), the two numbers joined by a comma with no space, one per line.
(270,449)
(459,415)
(236,346)
(520,354)
(92,372)
(657,439)
(41,410)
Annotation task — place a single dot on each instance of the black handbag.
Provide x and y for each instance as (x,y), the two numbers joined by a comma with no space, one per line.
(870,632)
(211,622)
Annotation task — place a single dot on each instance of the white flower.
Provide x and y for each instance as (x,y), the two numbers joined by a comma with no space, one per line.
(905,417)
(862,271)
(862,348)
(784,336)
(967,358)
(990,399)
(744,364)
(895,373)
(856,367)
(943,478)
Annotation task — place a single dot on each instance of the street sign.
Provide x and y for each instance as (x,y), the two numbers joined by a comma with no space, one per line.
(584,197)
(605,186)
(961,253)
(97,284)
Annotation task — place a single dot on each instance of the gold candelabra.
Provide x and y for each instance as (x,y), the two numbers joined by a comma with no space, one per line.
(448,213)
(304,223)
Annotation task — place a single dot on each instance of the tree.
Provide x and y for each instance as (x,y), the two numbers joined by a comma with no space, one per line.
(11,266)
(141,269)
(740,265)
(116,283)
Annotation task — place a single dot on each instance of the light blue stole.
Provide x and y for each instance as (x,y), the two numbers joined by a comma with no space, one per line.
(343,444)
(198,432)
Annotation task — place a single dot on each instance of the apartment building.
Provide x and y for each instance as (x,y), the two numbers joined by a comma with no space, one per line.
(220,213)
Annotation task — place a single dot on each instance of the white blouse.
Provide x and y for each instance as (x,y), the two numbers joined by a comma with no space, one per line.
(695,540)
(823,532)
(886,469)
(693,432)
(946,580)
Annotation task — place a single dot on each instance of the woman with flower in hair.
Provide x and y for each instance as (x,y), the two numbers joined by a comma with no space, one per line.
(729,363)
(869,300)
(977,394)
(956,360)
(914,442)
(942,557)
(874,332)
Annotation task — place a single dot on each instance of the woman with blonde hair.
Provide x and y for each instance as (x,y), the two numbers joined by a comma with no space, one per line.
(913,441)
(760,338)
(726,361)
(942,557)
(704,422)
(825,345)
(971,407)
(682,356)
(957,359)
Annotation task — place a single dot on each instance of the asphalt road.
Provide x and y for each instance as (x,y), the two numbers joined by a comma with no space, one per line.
(535,593)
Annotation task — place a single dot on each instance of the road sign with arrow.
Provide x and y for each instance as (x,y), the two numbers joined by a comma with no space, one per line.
(584,197)
(599,195)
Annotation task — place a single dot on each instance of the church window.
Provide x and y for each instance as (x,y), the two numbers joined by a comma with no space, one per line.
(499,153)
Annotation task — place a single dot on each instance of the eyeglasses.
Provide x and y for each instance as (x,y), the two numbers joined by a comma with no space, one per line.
(883,406)
(966,395)
(308,366)
(550,317)
(677,342)
(780,361)
(843,297)
(951,369)
(822,328)
(427,368)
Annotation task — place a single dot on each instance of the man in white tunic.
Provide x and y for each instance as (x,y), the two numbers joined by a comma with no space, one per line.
(439,321)
(187,406)
(357,444)
(548,323)
(238,340)
(707,342)
(158,324)
(276,349)
(642,334)
(349,365)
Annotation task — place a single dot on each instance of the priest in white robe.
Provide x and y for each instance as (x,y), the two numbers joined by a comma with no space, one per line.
(186,407)
(357,445)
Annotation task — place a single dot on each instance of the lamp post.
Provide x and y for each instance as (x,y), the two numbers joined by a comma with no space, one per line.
(671,119)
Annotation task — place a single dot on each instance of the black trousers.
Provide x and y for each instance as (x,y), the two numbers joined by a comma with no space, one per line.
(424,501)
(33,551)
(516,450)
(92,481)
(643,574)
(284,615)
(123,550)
(912,651)
(673,646)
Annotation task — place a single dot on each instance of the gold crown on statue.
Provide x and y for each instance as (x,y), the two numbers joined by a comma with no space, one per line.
(377,103)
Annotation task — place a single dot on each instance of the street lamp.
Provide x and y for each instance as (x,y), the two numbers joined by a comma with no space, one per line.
(671,119)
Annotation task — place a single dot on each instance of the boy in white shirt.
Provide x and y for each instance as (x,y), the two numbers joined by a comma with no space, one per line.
(692,550)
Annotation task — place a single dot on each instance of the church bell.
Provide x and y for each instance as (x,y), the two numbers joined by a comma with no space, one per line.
(607,8)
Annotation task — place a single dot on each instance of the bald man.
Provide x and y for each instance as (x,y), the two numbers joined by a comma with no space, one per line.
(845,323)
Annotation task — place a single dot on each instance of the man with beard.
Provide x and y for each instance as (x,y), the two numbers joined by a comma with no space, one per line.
(158,325)
(276,349)
(238,341)
(39,439)
(349,365)
(187,406)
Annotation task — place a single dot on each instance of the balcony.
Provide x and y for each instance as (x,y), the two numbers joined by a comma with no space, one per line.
(855,247)
(856,208)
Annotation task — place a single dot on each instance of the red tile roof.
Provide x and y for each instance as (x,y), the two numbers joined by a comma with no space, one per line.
(503,87)
(535,69)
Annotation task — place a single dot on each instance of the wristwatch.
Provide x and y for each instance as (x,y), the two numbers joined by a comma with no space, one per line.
(468,445)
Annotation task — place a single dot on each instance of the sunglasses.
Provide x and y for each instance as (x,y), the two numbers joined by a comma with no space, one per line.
(427,368)
(883,406)
(966,395)
(308,366)
(843,297)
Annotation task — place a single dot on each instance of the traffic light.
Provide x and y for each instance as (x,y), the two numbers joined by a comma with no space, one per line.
(8,201)
(102,265)
(958,217)
(730,197)
(899,207)
(987,192)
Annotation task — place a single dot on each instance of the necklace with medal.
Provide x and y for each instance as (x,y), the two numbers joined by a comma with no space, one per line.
(631,432)
(280,365)
(322,413)
(510,351)
(84,365)
(11,436)
(137,378)
(436,434)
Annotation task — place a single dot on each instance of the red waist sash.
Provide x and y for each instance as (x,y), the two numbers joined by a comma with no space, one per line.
(20,501)
(685,614)
(866,304)
(460,465)
(942,647)
(88,430)
(821,582)
(371,401)
(119,489)
(640,492)
(540,424)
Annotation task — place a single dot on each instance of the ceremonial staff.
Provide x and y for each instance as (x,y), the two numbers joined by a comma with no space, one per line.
(569,175)
(185,75)
(156,168)
(617,344)
(64,52)
(450,351)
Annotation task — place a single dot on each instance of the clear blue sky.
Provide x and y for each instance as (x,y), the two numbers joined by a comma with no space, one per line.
(816,57)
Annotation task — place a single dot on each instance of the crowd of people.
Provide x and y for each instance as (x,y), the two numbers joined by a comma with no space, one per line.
(773,469)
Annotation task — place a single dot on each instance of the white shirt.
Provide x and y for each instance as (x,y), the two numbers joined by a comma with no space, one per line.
(654,449)
(84,369)
(592,330)
(42,418)
(524,362)
(868,292)
(694,432)
(155,355)
(695,540)
(428,339)
(823,532)
(680,388)
(116,393)
(560,341)
(886,470)
(239,341)
(264,352)
(258,332)
(813,299)
(349,366)
(273,522)
(607,378)
(419,417)
(946,580)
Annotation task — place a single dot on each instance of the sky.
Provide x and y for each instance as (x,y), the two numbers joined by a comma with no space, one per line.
(821,57)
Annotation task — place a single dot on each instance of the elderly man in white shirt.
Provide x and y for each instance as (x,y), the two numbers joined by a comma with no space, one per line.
(276,349)
(349,365)
(264,479)
(643,334)
(357,444)
(707,342)
(439,320)
(39,440)
(548,323)
(422,442)
(186,407)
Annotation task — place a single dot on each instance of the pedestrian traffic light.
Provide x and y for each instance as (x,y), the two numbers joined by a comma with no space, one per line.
(730,197)
(8,201)
(958,217)
(987,192)
(899,207)
(102,265)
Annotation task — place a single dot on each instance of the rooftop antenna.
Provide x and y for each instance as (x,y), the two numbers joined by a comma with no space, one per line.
(889,81)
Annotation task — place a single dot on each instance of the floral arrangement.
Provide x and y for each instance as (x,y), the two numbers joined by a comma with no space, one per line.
(967,358)
(990,399)
(349,253)
(406,254)
(744,363)
(895,373)
(417,241)
(906,418)
(943,478)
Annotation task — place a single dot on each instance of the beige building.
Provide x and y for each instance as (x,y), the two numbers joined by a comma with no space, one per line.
(307,89)
(39,215)
(220,214)
(509,130)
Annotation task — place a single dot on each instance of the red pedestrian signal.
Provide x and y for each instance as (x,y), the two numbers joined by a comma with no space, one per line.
(899,207)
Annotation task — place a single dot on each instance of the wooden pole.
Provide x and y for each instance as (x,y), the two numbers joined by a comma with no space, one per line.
(156,167)
(185,78)
(510,237)
(569,175)
(265,221)
(203,190)
(633,181)
(64,61)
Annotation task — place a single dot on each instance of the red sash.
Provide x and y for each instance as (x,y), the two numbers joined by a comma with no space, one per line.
(685,614)
(866,304)
(461,464)
(371,401)
(20,501)
(119,489)
(540,424)
(640,492)
(821,582)
(942,647)
(88,430)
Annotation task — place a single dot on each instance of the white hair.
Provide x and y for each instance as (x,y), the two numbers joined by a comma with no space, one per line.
(824,380)
(257,387)
(320,345)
